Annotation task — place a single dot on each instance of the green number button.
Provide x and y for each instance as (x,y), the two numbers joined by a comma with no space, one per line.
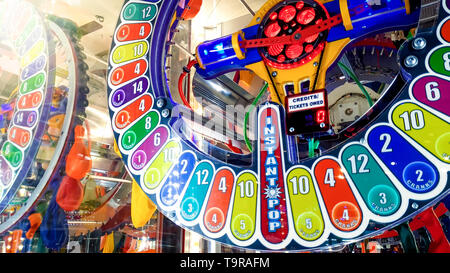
(140,130)
(32,83)
(139,12)
(12,154)
(383,199)
(377,190)
(440,61)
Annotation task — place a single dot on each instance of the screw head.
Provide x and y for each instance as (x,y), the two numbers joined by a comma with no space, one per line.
(419,43)
(415,206)
(160,103)
(292,129)
(165,113)
(274,73)
(411,61)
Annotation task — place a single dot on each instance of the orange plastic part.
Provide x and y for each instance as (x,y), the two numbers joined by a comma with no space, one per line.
(192,9)
(35,222)
(16,235)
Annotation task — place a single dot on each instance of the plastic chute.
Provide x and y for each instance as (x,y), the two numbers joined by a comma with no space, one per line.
(142,208)
(121,218)
(109,243)
(35,222)
(191,10)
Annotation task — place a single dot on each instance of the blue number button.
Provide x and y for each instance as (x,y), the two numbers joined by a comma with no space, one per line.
(409,166)
(176,182)
(419,176)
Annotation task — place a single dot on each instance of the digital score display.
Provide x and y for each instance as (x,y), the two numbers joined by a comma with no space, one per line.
(307,113)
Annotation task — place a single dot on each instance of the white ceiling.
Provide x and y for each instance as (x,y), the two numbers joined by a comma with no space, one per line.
(106,13)
(213,12)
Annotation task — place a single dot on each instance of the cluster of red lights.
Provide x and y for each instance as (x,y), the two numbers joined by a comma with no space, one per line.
(293,18)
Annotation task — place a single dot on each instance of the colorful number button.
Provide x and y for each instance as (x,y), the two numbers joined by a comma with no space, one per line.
(128,72)
(19,136)
(32,83)
(414,171)
(133,32)
(29,101)
(429,131)
(12,154)
(20,36)
(440,61)
(444,30)
(32,54)
(129,92)
(36,66)
(219,200)
(31,40)
(341,204)
(149,148)
(5,172)
(174,185)
(25,118)
(305,207)
(160,167)
(346,216)
(139,130)
(139,12)
(196,191)
(129,52)
(133,111)
(377,190)
(432,91)
(243,216)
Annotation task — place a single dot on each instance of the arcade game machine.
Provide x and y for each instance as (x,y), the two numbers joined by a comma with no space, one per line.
(289,126)
(55,166)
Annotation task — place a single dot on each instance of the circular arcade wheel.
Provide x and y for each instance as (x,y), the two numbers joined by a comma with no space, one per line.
(28,102)
(354,86)
(44,78)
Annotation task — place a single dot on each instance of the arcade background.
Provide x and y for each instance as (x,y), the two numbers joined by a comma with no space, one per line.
(103,223)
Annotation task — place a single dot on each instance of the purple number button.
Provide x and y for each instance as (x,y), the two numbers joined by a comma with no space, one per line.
(149,148)
(433,91)
(25,118)
(36,66)
(129,92)
(5,173)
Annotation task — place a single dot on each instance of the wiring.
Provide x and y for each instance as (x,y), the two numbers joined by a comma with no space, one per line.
(247,141)
(353,76)
(186,71)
